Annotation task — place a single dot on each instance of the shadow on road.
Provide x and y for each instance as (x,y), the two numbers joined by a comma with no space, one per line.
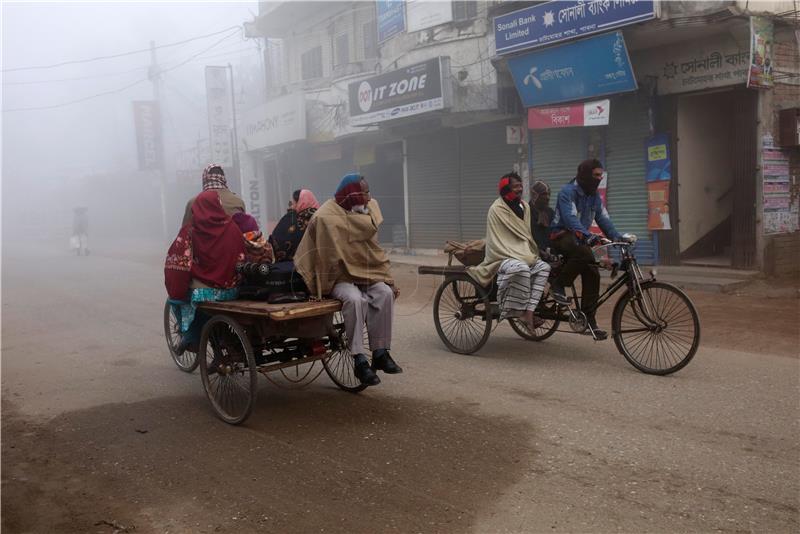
(305,461)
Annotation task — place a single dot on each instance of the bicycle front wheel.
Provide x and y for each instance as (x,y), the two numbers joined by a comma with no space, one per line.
(658,331)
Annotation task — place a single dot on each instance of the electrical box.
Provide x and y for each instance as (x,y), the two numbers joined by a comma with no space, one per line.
(789,127)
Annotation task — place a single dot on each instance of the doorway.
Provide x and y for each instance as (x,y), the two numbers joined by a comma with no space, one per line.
(716,178)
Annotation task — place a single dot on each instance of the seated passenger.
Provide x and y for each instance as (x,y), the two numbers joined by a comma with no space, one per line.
(290,229)
(214,178)
(201,265)
(541,214)
(340,256)
(512,255)
(257,249)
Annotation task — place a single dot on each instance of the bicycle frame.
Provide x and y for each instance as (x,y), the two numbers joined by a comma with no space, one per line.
(631,277)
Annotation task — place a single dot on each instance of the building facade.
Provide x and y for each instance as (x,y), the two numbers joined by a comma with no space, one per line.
(432,102)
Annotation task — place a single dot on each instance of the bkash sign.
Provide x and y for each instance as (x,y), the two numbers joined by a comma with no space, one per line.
(412,90)
(147,120)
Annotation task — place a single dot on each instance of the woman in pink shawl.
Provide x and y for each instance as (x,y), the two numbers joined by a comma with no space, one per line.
(290,229)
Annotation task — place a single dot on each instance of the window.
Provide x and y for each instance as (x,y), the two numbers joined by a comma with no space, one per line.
(312,63)
(342,50)
(370,30)
(465,10)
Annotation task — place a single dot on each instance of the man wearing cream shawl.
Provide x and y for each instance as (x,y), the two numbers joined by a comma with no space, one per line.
(339,256)
(512,255)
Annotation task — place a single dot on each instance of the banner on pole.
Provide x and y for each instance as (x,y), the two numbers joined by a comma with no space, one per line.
(147,120)
(220,115)
(759,74)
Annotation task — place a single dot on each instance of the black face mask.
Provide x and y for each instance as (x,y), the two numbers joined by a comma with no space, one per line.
(589,185)
(584,177)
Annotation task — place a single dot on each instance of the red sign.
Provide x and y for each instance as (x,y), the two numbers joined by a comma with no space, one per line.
(584,114)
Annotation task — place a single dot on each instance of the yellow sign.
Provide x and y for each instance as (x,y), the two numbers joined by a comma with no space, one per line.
(657,152)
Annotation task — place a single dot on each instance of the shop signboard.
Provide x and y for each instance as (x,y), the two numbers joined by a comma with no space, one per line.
(584,69)
(423,14)
(147,119)
(405,92)
(551,22)
(220,115)
(703,64)
(279,121)
(595,113)
(391,16)
(759,74)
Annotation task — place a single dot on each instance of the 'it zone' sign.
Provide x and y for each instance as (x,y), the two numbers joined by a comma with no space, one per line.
(412,90)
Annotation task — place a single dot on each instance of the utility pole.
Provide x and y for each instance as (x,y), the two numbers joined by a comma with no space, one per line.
(154,74)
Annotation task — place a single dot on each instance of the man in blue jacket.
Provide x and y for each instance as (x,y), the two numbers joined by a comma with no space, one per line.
(577,206)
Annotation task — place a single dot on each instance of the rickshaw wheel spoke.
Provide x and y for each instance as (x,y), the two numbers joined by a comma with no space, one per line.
(187,361)
(659,332)
(462,314)
(228,369)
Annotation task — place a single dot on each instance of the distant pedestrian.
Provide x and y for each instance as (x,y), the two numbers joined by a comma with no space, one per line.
(80,231)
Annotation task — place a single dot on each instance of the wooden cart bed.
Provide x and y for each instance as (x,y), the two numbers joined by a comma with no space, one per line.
(276,312)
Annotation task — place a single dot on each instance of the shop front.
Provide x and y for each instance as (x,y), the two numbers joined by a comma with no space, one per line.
(266,135)
(708,118)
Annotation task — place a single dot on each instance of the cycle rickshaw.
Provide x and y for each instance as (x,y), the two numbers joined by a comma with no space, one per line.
(245,337)
(654,324)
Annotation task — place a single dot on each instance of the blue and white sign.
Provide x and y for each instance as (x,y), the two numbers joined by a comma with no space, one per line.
(391,18)
(584,69)
(559,20)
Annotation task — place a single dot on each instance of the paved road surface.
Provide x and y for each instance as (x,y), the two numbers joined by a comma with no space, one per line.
(101,432)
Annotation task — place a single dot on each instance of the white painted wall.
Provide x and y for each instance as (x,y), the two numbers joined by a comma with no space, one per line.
(704,164)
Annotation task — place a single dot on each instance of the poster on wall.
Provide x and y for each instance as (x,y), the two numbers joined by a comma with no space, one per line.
(780,209)
(760,72)
(659,163)
(658,205)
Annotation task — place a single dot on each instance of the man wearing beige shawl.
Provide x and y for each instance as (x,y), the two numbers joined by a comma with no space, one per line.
(512,255)
(339,256)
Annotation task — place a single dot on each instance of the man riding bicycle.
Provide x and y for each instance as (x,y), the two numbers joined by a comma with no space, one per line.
(577,206)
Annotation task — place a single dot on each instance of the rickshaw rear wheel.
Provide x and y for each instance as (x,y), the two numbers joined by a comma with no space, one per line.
(546,310)
(188,361)
(462,314)
(228,369)
(339,363)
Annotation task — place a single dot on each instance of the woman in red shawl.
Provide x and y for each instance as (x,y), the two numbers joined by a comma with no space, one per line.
(201,264)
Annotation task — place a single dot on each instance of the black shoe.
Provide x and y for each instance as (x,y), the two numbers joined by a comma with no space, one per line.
(599,334)
(382,361)
(559,295)
(363,371)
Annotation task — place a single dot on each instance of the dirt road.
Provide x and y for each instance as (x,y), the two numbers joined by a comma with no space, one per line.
(102,433)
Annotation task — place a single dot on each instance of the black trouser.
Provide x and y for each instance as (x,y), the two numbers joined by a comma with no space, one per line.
(579,260)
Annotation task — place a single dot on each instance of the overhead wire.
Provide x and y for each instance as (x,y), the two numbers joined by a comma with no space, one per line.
(123,54)
(121,89)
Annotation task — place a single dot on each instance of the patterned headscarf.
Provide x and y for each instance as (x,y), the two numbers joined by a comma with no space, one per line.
(349,194)
(541,200)
(509,196)
(214,180)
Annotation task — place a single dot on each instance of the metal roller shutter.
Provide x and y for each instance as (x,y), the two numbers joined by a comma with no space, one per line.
(625,163)
(556,155)
(485,156)
(432,189)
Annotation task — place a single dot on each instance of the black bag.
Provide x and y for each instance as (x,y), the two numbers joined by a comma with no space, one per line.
(281,285)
